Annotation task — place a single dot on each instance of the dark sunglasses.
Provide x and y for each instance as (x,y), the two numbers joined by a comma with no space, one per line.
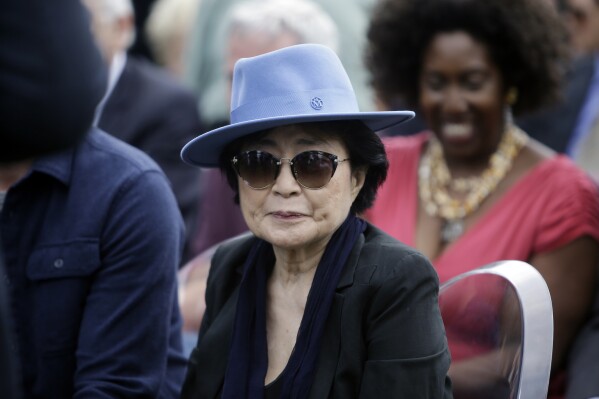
(311,169)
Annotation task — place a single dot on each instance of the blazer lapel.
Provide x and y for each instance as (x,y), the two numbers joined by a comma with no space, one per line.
(216,340)
(331,339)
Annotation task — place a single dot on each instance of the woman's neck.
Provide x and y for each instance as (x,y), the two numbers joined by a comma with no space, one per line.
(293,266)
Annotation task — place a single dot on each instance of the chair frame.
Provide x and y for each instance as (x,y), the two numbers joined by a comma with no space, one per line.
(537,322)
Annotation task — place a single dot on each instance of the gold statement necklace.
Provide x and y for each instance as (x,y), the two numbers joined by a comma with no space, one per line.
(436,184)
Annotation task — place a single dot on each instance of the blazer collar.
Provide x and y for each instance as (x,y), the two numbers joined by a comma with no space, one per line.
(349,272)
(331,339)
(216,340)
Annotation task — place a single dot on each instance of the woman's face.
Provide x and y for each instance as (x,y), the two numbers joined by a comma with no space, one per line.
(582,18)
(462,96)
(288,215)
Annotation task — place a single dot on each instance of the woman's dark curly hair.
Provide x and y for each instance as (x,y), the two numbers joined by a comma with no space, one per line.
(364,147)
(525,39)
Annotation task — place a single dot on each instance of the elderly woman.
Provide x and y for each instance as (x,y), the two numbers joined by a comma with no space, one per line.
(474,188)
(315,302)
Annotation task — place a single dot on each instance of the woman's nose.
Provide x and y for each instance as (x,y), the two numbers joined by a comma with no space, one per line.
(454,101)
(285,183)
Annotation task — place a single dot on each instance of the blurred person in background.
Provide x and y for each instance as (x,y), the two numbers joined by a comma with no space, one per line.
(145,106)
(168,29)
(140,46)
(254,27)
(570,126)
(583,23)
(583,20)
(475,188)
(582,17)
(207,53)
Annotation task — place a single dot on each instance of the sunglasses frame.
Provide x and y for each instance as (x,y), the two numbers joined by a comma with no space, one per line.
(335,161)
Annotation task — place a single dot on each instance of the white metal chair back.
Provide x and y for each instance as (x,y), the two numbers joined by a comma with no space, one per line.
(499,322)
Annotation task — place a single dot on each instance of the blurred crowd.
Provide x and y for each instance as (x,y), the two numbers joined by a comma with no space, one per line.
(116,226)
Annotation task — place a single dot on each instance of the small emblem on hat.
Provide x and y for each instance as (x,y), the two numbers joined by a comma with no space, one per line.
(316,103)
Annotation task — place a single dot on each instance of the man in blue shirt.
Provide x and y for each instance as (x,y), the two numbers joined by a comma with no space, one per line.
(42,108)
(92,239)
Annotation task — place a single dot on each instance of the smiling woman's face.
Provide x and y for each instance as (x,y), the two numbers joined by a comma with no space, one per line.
(462,96)
(290,216)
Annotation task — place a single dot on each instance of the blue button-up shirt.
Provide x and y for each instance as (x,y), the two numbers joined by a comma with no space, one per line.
(92,239)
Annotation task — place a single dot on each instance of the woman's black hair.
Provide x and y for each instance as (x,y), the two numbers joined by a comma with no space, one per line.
(525,39)
(364,147)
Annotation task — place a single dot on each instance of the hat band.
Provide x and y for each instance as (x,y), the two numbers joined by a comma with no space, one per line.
(296,104)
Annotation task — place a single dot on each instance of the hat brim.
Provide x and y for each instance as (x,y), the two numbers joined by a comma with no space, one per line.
(205,149)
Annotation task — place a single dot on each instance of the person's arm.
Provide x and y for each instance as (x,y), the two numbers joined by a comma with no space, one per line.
(570,273)
(192,289)
(131,314)
(406,345)
(482,376)
(489,374)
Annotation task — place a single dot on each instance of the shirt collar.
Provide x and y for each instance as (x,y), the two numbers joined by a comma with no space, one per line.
(58,165)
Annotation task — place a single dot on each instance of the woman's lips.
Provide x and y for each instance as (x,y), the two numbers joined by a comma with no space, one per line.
(287,215)
(456,131)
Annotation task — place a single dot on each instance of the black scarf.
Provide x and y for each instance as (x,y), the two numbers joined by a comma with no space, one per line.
(248,356)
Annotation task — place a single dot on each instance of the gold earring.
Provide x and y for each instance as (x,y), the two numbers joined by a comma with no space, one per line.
(511,96)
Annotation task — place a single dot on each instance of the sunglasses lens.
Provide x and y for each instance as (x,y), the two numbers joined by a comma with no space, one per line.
(313,169)
(258,169)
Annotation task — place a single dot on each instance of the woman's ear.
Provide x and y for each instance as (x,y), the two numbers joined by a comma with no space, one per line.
(357,180)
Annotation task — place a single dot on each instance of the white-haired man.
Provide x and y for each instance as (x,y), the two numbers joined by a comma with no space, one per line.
(144,105)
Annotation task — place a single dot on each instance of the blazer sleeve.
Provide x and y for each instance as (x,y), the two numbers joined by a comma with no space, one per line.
(407,353)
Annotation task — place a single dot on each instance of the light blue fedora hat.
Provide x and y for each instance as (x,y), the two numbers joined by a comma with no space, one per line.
(296,84)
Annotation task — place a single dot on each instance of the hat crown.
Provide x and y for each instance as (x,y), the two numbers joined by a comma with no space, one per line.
(305,79)
(299,84)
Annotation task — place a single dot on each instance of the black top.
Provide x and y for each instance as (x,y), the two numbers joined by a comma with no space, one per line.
(273,390)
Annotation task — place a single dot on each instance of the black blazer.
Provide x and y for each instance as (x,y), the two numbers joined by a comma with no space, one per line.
(151,111)
(384,337)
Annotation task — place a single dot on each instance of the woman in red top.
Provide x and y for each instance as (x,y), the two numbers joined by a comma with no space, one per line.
(475,188)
